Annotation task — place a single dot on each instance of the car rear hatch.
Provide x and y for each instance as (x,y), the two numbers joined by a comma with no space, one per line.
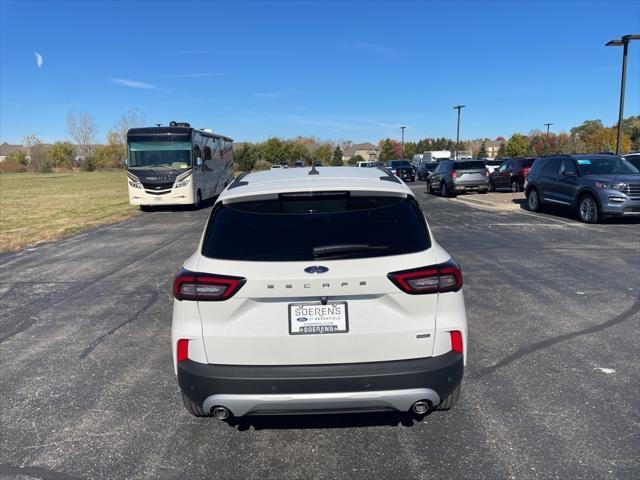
(334,304)
(470,173)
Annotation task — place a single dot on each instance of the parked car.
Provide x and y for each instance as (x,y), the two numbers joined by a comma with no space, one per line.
(403,169)
(454,176)
(275,166)
(492,164)
(368,164)
(511,174)
(424,169)
(633,158)
(318,293)
(298,164)
(595,185)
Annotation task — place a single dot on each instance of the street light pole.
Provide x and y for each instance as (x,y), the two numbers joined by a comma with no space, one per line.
(623,42)
(457,107)
(548,125)
(402,144)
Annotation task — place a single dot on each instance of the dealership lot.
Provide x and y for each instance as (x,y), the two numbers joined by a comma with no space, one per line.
(550,391)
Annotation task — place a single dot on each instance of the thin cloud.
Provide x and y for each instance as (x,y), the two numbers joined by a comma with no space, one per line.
(133,84)
(373,48)
(267,95)
(194,75)
(39,59)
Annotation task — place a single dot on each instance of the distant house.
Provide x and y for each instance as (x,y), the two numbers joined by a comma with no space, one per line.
(6,149)
(492,147)
(367,151)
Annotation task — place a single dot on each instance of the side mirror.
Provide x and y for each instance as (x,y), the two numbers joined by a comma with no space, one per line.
(199,161)
(126,162)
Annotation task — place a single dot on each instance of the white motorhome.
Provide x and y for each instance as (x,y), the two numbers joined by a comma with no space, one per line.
(432,156)
(177,165)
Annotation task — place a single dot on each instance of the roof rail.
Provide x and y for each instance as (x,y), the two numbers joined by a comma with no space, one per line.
(237,182)
(388,177)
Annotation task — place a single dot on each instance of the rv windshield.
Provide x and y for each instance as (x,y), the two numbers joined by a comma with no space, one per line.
(156,153)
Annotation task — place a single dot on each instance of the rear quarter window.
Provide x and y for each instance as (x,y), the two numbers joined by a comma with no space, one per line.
(290,228)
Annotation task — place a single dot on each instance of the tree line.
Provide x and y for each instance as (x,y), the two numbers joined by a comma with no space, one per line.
(82,152)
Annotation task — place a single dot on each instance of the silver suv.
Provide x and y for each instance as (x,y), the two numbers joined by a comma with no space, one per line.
(452,177)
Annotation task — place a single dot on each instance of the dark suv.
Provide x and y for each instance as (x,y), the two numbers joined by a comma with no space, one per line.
(451,177)
(511,174)
(403,169)
(596,185)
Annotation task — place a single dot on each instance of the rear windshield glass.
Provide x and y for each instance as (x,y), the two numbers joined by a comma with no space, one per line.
(605,166)
(493,163)
(399,163)
(470,165)
(322,226)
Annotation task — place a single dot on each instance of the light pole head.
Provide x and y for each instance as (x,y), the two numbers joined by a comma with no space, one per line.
(458,107)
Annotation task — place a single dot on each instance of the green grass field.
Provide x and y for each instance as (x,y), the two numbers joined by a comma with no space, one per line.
(35,207)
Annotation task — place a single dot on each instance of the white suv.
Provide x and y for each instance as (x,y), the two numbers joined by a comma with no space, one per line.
(318,291)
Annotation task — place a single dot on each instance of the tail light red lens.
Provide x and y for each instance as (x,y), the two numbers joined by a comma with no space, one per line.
(205,287)
(182,353)
(445,277)
(452,174)
(456,341)
(486,172)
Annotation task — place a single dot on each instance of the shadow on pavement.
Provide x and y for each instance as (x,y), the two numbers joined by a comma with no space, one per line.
(180,208)
(338,420)
(571,214)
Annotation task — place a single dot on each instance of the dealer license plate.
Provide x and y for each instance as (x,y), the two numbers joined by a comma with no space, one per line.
(315,318)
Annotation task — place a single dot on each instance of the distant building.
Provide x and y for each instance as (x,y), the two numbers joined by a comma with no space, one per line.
(492,147)
(367,151)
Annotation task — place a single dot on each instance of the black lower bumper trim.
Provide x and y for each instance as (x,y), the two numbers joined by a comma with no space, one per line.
(442,374)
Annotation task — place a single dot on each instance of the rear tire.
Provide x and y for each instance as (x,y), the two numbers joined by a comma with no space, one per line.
(482,191)
(194,409)
(515,186)
(450,400)
(444,190)
(198,201)
(492,187)
(429,188)
(533,200)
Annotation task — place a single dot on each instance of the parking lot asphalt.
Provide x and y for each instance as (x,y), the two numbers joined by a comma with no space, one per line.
(551,389)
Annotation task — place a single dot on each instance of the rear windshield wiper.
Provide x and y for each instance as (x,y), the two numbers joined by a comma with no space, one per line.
(328,250)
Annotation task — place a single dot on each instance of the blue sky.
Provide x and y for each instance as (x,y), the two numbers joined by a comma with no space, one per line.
(336,70)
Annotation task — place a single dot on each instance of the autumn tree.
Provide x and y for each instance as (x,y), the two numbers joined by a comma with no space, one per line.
(82,129)
(323,154)
(387,150)
(61,154)
(516,146)
(38,161)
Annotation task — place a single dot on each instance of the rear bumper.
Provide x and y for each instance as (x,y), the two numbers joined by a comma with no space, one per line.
(393,385)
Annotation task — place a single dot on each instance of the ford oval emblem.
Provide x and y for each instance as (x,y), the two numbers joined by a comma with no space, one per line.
(302,319)
(316,269)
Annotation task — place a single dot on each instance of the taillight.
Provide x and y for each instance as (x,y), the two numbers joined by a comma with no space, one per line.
(182,350)
(205,287)
(452,174)
(525,172)
(445,277)
(486,172)
(456,341)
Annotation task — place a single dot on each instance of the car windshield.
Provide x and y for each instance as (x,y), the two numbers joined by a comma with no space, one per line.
(605,166)
(300,227)
(159,152)
(470,165)
(399,163)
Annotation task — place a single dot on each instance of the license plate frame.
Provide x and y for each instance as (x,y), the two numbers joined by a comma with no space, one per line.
(315,323)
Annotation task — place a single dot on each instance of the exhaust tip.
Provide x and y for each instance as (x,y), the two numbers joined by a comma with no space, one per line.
(221,413)
(421,407)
